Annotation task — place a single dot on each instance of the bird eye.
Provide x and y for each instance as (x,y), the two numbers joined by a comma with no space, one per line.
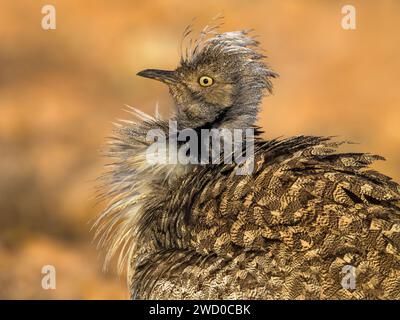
(206,81)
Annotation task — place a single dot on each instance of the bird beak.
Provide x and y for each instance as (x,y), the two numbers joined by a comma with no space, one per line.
(160,75)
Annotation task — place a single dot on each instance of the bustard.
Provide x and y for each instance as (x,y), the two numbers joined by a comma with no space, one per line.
(291,229)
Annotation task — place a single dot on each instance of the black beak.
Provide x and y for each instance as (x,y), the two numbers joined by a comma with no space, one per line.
(160,75)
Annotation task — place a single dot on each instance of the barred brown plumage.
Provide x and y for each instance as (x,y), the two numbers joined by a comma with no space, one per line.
(284,232)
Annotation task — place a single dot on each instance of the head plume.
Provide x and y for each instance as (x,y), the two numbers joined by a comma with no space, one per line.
(237,55)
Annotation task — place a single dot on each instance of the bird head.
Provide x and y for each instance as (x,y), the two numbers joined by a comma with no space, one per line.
(219,83)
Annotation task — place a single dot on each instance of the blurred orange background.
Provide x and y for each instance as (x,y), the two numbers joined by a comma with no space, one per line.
(61,89)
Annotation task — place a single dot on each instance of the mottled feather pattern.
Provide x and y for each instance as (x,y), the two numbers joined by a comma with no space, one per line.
(284,233)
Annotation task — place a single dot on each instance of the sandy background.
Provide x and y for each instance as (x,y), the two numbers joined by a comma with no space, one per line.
(61,89)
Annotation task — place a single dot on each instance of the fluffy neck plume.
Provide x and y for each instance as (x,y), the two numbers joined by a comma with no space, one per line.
(128,182)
